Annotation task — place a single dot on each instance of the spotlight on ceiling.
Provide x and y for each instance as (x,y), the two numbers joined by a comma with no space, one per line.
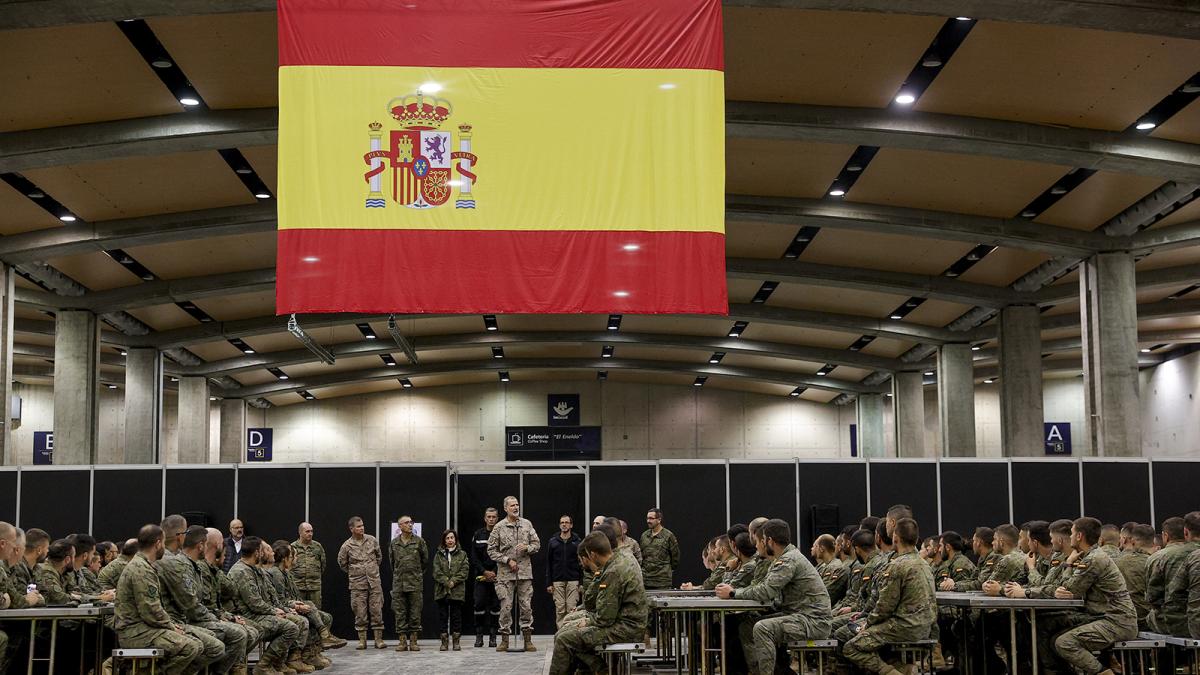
(310,344)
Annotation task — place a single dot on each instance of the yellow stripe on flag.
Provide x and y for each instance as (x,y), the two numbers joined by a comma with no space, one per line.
(555,149)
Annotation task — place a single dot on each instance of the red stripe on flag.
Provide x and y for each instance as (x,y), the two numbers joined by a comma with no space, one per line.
(502,33)
(487,272)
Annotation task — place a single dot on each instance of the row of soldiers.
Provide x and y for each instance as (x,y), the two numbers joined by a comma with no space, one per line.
(170,591)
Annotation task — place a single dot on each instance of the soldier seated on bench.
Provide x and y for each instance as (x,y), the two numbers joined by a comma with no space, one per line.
(906,609)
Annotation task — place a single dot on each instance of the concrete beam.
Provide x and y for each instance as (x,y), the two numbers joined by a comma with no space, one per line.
(1009,232)
(1163,276)
(878,281)
(1087,148)
(489,365)
(1166,238)
(106,235)
(182,132)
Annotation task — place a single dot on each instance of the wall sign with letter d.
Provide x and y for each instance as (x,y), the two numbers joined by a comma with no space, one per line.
(258,445)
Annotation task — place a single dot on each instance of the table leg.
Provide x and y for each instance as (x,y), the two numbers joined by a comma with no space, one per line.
(1033,645)
(53,643)
(32,633)
(704,654)
(1012,637)
(724,667)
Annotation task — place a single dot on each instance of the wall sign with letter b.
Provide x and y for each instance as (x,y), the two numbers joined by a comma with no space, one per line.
(258,445)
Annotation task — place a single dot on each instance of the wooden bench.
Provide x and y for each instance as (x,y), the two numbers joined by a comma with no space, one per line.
(1141,653)
(801,649)
(136,659)
(619,656)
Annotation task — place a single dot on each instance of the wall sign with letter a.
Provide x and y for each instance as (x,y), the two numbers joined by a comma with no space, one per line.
(258,445)
(1058,438)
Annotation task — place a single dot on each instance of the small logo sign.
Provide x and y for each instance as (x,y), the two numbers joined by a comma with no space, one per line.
(563,410)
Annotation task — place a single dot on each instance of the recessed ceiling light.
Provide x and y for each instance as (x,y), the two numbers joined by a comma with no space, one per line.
(929,372)
(631,247)
(244,171)
(1058,190)
(963,18)
(1145,350)
(822,373)
(125,353)
(161,63)
(854,168)
(988,381)
(111,386)
(211,398)
(1190,88)
(283,377)
(931,62)
(310,258)
(897,317)
(248,351)
(36,194)
(188,101)
(621,294)
(67,219)
(975,348)
(429,88)
(836,193)
(905,99)
(1028,214)
(1145,126)
(262,195)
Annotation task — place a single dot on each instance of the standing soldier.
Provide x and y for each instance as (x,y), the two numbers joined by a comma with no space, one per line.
(359,558)
(511,544)
(141,621)
(309,565)
(483,568)
(410,557)
(660,552)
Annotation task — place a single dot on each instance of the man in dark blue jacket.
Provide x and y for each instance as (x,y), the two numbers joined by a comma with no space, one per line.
(562,569)
(483,571)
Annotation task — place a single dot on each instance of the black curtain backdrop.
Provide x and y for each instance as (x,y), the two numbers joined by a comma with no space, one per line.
(1117,492)
(842,484)
(547,497)
(336,494)
(911,483)
(624,492)
(1175,490)
(55,501)
(767,489)
(271,501)
(207,491)
(8,496)
(1045,491)
(973,495)
(419,492)
(693,504)
(475,493)
(138,491)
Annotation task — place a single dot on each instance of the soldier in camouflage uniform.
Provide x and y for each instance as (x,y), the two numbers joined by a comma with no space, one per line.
(630,543)
(141,622)
(217,592)
(955,567)
(308,565)
(1169,613)
(794,587)
(844,623)
(1189,578)
(359,558)
(862,543)
(12,596)
(285,589)
(512,542)
(224,645)
(50,575)
(1134,564)
(111,573)
(590,586)
(831,569)
(986,559)
(620,611)
(747,557)
(1110,541)
(296,612)
(660,552)
(252,603)
(906,609)
(410,560)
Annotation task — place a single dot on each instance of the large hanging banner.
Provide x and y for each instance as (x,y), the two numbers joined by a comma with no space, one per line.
(501,156)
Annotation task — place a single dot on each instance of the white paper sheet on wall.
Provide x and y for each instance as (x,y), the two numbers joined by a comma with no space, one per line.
(396,530)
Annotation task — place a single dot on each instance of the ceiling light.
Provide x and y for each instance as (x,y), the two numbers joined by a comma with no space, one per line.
(614,321)
(36,194)
(988,381)
(111,386)
(1058,190)
(1028,214)
(606,352)
(602,375)
(794,393)
(1145,126)
(1146,350)
(1190,88)
(370,337)
(836,193)
(211,398)
(489,322)
(854,168)
(905,99)
(245,171)
(700,381)
(262,195)
(928,372)
(951,273)
(631,247)
(283,376)
(931,62)
(429,88)
(962,18)
(125,353)
(161,63)
(504,376)
(174,379)
(975,348)
(247,350)
(890,394)
(822,373)
(406,384)
(497,352)
(188,101)
(621,294)
(897,317)
(67,218)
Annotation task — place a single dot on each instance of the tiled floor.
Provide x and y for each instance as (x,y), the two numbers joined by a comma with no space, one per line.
(429,661)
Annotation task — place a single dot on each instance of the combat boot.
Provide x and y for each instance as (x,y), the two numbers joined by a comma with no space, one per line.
(265,667)
(402,646)
(445,646)
(938,660)
(324,660)
(309,656)
(478,638)
(280,665)
(329,640)
(456,637)
(412,643)
(527,639)
(379,643)
(362,639)
(239,669)
(492,638)
(296,662)
(503,647)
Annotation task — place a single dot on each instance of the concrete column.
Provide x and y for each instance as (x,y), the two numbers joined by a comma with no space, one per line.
(8,453)
(193,420)
(1021,414)
(870,425)
(76,386)
(143,405)
(1108,314)
(908,407)
(233,430)
(956,400)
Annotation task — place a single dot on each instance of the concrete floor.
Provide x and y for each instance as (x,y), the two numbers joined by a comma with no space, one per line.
(429,661)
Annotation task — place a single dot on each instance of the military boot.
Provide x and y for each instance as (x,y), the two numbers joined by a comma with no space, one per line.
(527,640)
(412,643)
(312,657)
(324,660)
(402,645)
(280,665)
(503,647)
(478,637)
(329,640)
(456,637)
(239,669)
(492,638)
(379,643)
(445,646)
(938,660)
(266,667)
(296,662)
(362,639)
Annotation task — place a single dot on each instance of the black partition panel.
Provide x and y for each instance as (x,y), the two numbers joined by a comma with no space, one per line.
(693,504)
(8,496)
(55,501)
(624,492)
(911,483)
(335,494)
(123,500)
(419,492)
(841,484)
(474,493)
(548,496)
(271,501)
(1045,490)
(207,491)
(767,489)
(1117,492)
(974,494)
(1175,489)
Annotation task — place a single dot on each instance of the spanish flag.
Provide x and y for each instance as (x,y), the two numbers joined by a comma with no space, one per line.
(501,156)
